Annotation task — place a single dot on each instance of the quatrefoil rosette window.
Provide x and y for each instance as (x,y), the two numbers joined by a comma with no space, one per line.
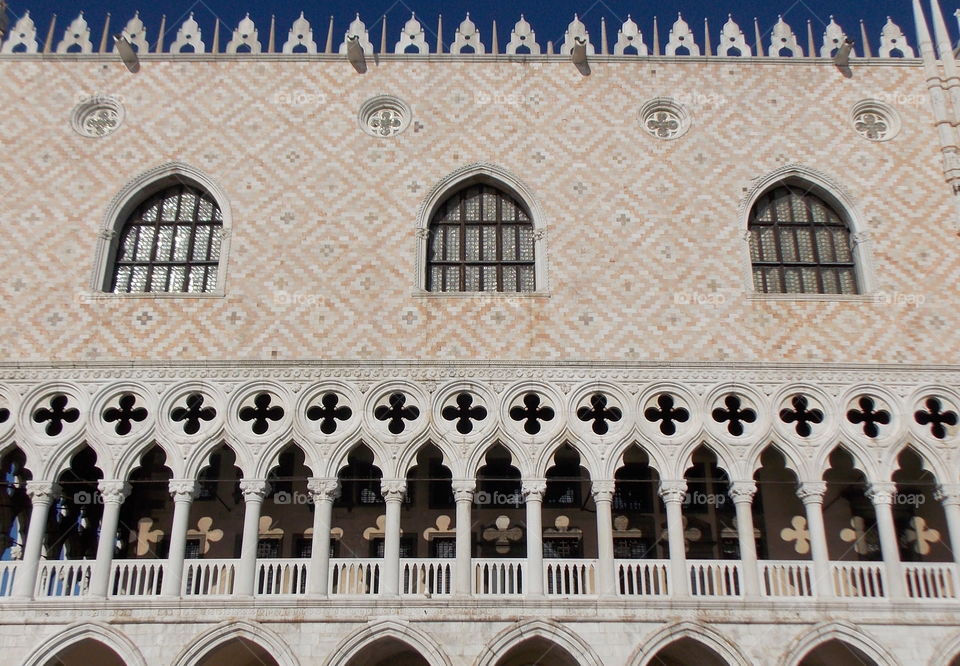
(464,413)
(397,411)
(191,412)
(532,413)
(664,118)
(801,414)
(599,412)
(668,413)
(328,412)
(54,414)
(875,121)
(260,412)
(123,413)
(384,116)
(97,116)
(736,414)
(934,415)
(870,414)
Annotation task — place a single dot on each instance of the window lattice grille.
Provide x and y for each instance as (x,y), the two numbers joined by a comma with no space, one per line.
(799,245)
(481,239)
(171,243)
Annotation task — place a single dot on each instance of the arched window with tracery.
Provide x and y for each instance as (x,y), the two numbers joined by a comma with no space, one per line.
(481,239)
(170,243)
(800,244)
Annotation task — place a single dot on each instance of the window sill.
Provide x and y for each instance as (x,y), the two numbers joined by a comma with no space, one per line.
(88,297)
(492,295)
(815,298)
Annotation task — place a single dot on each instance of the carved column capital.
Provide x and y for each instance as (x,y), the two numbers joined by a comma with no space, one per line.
(183,490)
(113,491)
(533,489)
(463,489)
(602,490)
(881,492)
(948,494)
(254,490)
(43,492)
(323,490)
(673,491)
(393,490)
(742,492)
(812,492)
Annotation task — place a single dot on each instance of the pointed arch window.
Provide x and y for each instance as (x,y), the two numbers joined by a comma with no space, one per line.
(170,243)
(800,244)
(481,239)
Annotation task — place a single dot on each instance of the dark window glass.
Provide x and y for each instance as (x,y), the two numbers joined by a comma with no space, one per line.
(800,245)
(481,239)
(170,243)
(562,548)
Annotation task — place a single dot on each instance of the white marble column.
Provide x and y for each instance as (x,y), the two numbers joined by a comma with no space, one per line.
(253,490)
(533,490)
(113,493)
(949,496)
(463,490)
(324,492)
(393,491)
(673,494)
(882,494)
(742,493)
(184,491)
(42,496)
(603,499)
(811,494)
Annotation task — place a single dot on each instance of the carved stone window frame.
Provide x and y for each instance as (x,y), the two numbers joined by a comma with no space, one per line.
(831,192)
(499,177)
(126,201)
(884,111)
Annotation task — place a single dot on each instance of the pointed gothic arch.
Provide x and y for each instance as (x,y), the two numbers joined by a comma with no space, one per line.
(174,178)
(224,633)
(842,632)
(97,632)
(361,640)
(507,187)
(548,630)
(836,201)
(699,634)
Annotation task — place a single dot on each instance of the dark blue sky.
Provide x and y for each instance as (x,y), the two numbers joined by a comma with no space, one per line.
(549,19)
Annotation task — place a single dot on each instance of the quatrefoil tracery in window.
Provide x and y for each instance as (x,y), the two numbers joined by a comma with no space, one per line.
(261,413)
(125,414)
(801,415)
(734,415)
(936,417)
(666,414)
(464,413)
(56,415)
(396,413)
(869,416)
(328,412)
(531,413)
(193,414)
(599,413)
(4,414)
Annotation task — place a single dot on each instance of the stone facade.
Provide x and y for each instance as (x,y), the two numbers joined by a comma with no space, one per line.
(639,173)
